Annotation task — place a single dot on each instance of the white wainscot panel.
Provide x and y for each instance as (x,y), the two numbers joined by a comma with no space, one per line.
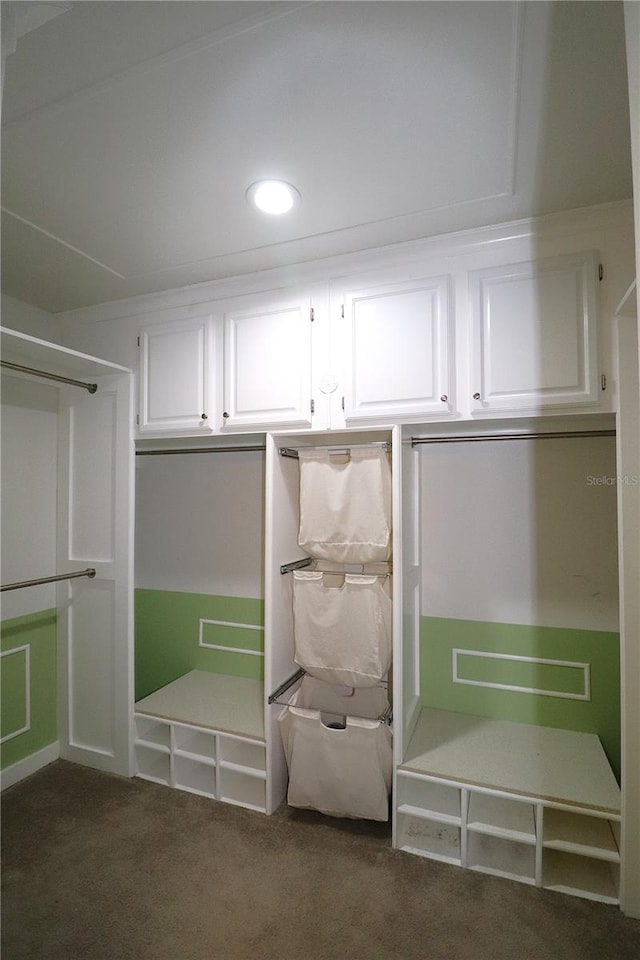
(91,667)
(92,459)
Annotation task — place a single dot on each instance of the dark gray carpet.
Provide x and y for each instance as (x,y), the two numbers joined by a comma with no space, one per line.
(97,867)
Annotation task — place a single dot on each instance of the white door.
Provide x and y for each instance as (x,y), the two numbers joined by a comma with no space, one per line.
(95,619)
(175,371)
(267,362)
(534,336)
(396,351)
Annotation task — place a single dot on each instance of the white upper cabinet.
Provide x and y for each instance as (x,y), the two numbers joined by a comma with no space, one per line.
(534,335)
(396,350)
(175,376)
(267,361)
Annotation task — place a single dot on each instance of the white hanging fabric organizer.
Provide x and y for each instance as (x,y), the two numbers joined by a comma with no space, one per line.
(342,769)
(336,740)
(345,505)
(342,626)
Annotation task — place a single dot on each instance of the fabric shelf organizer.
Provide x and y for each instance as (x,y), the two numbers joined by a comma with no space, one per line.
(345,505)
(339,763)
(337,749)
(342,626)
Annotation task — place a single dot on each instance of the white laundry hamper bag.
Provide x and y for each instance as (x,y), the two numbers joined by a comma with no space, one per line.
(342,633)
(342,771)
(345,505)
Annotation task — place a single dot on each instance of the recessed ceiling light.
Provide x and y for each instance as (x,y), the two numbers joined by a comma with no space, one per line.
(273,196)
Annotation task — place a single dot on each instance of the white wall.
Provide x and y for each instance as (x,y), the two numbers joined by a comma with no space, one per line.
(200,522)
(517,532)
(21,316)
(28,470)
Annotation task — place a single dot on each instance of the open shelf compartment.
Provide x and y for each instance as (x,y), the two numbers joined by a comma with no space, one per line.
(501,817)
(153,764)
(580,833)
(428,798)
(188,741)
(585,877)
(194,776)
(153,733)
(501,857)
(248,757)
(429,838)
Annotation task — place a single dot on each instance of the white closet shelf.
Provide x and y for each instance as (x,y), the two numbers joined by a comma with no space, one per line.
(30,351)
(233,705)
(546,763)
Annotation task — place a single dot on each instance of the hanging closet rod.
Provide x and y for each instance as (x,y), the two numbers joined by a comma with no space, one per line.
(89,572)
(91,387)
(418,441)
(238,449)
(292,452)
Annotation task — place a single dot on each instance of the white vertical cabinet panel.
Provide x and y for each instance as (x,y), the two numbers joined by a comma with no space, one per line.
(95,529)
(267,361)
(176,376)
(534,336)
(397,350)
(628,470)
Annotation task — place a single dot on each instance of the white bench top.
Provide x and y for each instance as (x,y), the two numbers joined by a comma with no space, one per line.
(213,700)
(560,766)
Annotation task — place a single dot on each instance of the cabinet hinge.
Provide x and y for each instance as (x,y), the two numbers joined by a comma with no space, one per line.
(342,310)
(603,382)
(342,403)
(313,406)
(138,419)
(600,271)
(311,315)
(138,341)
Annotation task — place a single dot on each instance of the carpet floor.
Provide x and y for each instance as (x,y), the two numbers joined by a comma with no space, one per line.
(99,867)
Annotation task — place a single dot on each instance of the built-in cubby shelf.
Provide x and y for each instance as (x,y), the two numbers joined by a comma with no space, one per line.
(204,733)
(533,804)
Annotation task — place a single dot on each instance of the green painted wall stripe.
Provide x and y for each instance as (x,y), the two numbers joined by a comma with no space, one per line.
(167,632)
(600,649)
(37,631)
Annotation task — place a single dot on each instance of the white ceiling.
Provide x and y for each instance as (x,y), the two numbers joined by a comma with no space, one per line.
(131,131)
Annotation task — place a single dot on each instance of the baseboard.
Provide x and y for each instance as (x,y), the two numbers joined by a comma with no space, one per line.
(24,768)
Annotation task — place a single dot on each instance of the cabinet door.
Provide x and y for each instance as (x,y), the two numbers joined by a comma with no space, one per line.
(534,336)
(175,373)
(267,362)
(397,351)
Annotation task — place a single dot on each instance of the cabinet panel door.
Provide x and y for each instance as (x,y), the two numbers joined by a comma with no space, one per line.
(267,372)
(174,376)
(396,351)
(534,337)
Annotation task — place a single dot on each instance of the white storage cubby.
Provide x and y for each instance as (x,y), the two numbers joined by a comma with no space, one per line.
(552,824)
(153,764)
(501,817)
(184,738)
(429,838)
(438,801)
(194,776)
(501,857)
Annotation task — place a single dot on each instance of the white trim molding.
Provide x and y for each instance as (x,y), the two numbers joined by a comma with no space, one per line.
(25,768)
(225,647)
(26,648)
(585,667)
